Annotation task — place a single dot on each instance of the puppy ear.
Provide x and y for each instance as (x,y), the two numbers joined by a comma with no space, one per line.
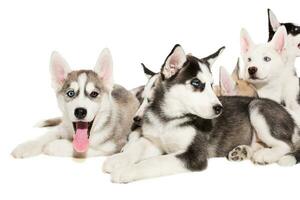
(246,41)
(227,84)
(274,24)
(59,70)
(213,57)
(279,40)
(174,62)
(235,75)
(147,71)
(104,68)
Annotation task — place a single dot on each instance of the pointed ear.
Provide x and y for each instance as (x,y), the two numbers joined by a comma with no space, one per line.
(104,68)
(147,71)
(246,41)
(274,24)
(235,75)
(213,57)
(279,40)
(174,62)
(227,84)
(59,70)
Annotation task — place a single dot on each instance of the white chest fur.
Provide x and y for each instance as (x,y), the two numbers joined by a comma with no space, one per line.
(170,136)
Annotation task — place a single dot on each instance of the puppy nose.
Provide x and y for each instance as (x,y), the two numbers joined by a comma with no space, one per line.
(252,70)
(218,109)
(80,113)
(137,120)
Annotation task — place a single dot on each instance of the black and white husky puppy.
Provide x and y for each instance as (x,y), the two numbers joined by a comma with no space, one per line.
(186,124)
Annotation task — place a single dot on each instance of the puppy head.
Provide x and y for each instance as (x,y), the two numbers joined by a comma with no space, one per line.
(263,62)
(81,94)
(293,32)
(189,85)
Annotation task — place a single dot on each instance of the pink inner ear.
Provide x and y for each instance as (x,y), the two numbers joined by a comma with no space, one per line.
(227,83)
(106,71)
(280,43)
(173,61)
(244,44)
(60,74)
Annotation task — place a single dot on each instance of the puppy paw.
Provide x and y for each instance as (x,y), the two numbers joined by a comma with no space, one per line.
(27,149)
(123,175)
(59,148)
(265,156)
(117,161)
(239,153)
(287,160)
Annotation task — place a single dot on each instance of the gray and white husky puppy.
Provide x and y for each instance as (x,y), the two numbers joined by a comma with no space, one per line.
(185,124)
(96,114)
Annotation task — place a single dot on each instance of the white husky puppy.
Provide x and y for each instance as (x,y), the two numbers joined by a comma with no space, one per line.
(96,114)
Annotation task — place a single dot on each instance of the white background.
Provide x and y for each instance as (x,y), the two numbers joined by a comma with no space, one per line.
(135,31)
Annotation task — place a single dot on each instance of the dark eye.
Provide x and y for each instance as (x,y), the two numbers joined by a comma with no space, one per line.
(71,93)
(94,94)
(299,45)
(148,100)
(196,83)
(267,59)
(249,59)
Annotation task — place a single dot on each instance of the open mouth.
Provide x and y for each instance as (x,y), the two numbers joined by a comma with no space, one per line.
(81,136)
(254,78)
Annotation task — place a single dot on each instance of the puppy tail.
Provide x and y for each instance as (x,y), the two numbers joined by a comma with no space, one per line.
(48,123)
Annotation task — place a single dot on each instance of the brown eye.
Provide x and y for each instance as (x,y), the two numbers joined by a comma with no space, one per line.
(267,59)
(94,94)
(249,59)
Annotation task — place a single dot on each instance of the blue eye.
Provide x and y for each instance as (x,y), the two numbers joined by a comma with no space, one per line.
(196,83)
(71,93)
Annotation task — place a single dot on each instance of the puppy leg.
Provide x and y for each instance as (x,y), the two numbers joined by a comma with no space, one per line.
(277,148)
(139,150)
(35,147)
(153,167)
(106,149)
(244,152)
(61,148)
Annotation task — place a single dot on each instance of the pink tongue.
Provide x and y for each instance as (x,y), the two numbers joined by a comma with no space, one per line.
(81,139)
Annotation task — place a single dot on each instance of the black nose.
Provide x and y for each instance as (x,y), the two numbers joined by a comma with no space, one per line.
(252,70)
(80,113)
(137,120)
(218,109)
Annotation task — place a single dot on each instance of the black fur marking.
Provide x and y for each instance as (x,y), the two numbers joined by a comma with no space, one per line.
(290,28)
(147,71)
(195,158)
(279,121)
(212,56)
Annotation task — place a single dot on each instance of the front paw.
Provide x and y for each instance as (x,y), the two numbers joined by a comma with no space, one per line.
(117,161)
(59,148)
(239,153)
(27,149)
(265,156)
(123,175)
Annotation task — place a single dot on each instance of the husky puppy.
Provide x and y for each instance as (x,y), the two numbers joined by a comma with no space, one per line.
(293,39)
(97,115)
(185,124)
(233,85)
